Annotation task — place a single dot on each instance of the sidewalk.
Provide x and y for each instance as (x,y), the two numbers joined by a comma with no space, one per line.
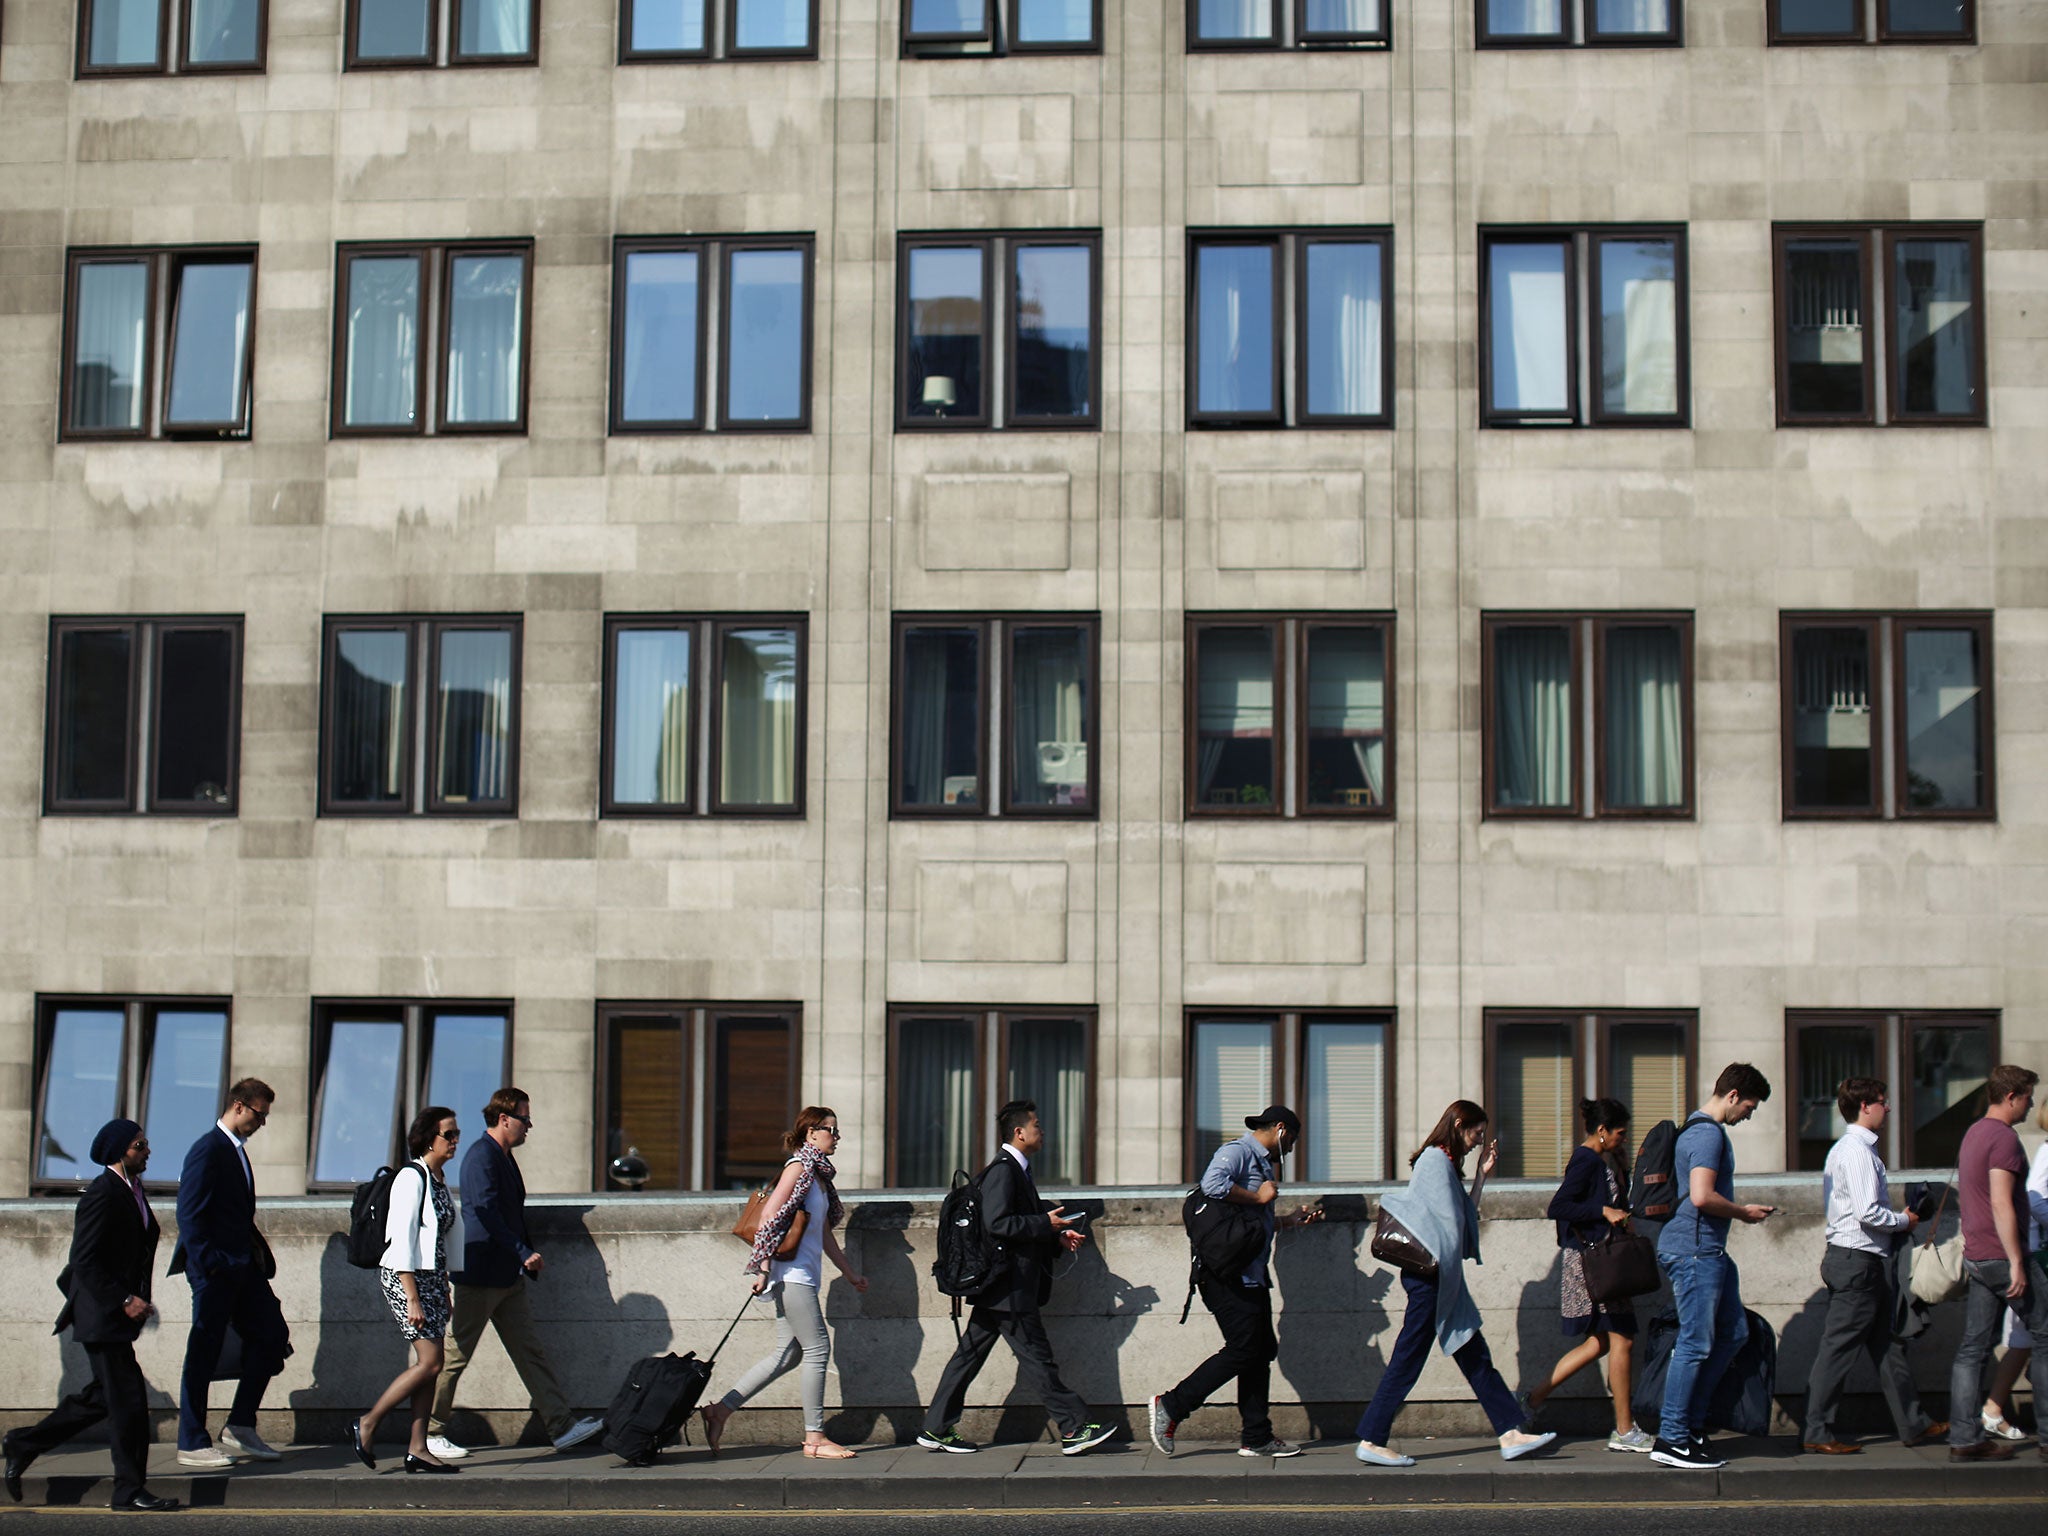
(1037,1476)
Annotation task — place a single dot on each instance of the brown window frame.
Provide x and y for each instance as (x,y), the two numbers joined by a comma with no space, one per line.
(1592,1032)
(1290,33)
(83,69)
(721,32)
(997,36)
(1290,1067)
(719,625)
(1893,1029)
(1872,26)
(444,42)
(1578,23)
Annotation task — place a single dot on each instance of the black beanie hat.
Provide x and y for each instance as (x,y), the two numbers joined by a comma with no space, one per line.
(115,1138)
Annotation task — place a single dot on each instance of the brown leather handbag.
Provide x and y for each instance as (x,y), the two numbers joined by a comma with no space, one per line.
(1393,1243)
(748,1228)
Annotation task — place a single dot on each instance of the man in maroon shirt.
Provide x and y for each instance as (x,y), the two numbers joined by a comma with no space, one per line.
(1991,1173)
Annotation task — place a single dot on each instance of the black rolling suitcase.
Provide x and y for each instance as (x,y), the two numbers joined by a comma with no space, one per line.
(655,1403)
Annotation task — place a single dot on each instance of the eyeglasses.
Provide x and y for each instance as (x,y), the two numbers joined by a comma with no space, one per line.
(451,1137)
(525,1120)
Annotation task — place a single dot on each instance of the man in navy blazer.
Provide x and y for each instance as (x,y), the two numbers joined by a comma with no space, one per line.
(229,1266)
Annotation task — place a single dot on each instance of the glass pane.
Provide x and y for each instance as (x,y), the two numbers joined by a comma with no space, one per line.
(1346,1113)
(658,374)
(1820,18)
(1344,330)
(391,29)
(1235,752)
(1925,18)
(1048,726)
(1944,721)
(1529,350)
(1532,715)
(370,721)
(81,1091)
(1233,1078)
(1935,343)
(764,342)
(1234,338)
(644,1104)
(181,1096)
(465,1066)
(938,1121)
(772,24)
(1632,18)
(493,28)
(109,344)
(1646,1071)
(1055,21)
(947,317)
(755,1058)
(92,715)
(357,1130)
(210,344)
(224,32)
(1222,21)
(1832,763)
(1055,334)
(1347,716)
(1824,335)
(1639,327)
(195,717)
(1340,18)
(1950,1064)
(651,716)
(759,717)
(938,750)
(1535,1113)
(1827,1054)
(1049,1066)
(1644,717)
(485,320)
(948,18)
(473,718)
(668,26)
(1524,18)
(383,341)
(123,36)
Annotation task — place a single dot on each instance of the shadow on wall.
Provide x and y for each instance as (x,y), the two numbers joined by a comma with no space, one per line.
(875,1358)
(1091,1316)
(1328,1311)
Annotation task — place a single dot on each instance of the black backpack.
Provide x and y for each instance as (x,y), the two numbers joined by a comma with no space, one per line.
(368,1214)
(1224,1238)
(1652,1192)
(652,1408)
(968,1259)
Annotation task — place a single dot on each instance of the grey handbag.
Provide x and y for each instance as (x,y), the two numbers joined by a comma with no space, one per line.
(1394,1244)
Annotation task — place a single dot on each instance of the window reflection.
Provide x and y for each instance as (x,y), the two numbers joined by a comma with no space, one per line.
(764,344)
(947,323)
(358,1109)
(1234,289)
(81,1089)
(1055,327)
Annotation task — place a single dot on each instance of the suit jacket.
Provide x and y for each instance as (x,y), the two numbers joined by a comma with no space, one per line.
(112,1252)
(217,1213)
(495,1241)
(1013,1214)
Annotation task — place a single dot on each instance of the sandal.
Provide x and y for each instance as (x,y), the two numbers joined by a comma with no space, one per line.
(825,1450)
(714,1427)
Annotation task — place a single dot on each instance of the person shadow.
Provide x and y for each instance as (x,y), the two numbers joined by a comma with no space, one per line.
(875,1359)
(1092,1314)
(1327,1312)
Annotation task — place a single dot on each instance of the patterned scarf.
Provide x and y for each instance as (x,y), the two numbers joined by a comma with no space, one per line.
(812,1165)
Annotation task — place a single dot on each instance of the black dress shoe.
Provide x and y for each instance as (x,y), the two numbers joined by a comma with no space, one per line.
(147,1503)
(416,1464)
(17,1463)
(355,1441)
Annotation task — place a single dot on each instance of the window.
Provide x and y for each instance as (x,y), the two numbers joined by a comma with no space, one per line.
(1581,23)
(1843,671)
(658,718)
(1036,715)
(377,1064)
(1882,21)
(420,714)
(421,34)
(685,31)
(1290,329)
(160,1061)
(1550,682)
(695,1095)
(131,37)
(157,343)
(951,1069)
(1834,281)
(475,299)
(663,346)
(937,29)
(1218,25)
(1623,364)
(1935,1064)
(1541,1064)
(144,716)
(1042,367)
(1340,1065)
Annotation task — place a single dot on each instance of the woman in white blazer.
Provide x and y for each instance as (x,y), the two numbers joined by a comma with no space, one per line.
(415,1277)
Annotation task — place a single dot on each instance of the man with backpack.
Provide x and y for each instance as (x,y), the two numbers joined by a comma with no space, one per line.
(1242,1173)
(1025,1236)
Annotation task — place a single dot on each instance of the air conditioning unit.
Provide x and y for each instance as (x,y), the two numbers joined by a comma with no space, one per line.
(1063,762)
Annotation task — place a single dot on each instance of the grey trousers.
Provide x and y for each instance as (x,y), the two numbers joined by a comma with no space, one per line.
(799,1335)
(1859,1323)
(1984,1308)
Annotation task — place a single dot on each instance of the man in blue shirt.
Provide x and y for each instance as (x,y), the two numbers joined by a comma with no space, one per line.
(1693,1252)
(1244,1173)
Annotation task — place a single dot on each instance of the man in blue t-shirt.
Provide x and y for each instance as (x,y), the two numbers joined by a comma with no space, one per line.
(1693,1251)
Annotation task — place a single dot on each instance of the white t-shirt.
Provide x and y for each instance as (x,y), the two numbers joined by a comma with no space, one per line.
(808,1266)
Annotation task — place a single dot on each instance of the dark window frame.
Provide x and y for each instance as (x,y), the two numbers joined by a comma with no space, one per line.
(1871,28)
(805,247)
(444,42)
(1967,33)
(1578,26)
(1246,240)
(1197,43)
(352,60)
(1306,419)
(985,33)
(167,62)
(719,626)
(999,32)
(1289,1042)
(624,247)
(1489,623)
(258,67)
(628,54)
(734,51)
(1892,1030)
(1011,9)
(1380,38)
(1593,1029)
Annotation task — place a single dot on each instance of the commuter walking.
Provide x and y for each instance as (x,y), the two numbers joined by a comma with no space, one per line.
(1692,1250)
(106,1302)
(1991,1171)
(1863,1234)
(1592,1198)
(414,1273)
(806,1187)
(2019,1343)
(1028,1234)
(1445,1220)
(1245,1172)
(498,1263)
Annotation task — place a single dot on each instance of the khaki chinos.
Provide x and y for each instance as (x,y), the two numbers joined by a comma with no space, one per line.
(508,1310)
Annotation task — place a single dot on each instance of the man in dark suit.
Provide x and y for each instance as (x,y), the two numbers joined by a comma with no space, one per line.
(229,1266)
(106,1290)
(1029,1235)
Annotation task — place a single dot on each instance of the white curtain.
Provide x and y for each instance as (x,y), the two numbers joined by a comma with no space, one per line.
(1234,341)
(1233,1078)
(1523,18)
(1532,692)
(1530,370)
(651,717)
(1223,20)
(485,320)
(1347,1101)
(1234,695)
(1347,700)
(1645,717)
(936,1115)
(112,331)
(1049,1066)
(1049,718)
(491,27)
(1632,18)
(1650,327)
(1933,280)
(383,340)
(758,709)
(474,751)
(1340,18)
(1344,329)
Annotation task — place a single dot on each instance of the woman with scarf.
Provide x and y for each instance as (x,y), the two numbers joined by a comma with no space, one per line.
(806,1186)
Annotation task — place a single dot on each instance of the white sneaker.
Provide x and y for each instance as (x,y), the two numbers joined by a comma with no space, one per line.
(247,1443)
(441,1448)
(577,1433)
(205,1456)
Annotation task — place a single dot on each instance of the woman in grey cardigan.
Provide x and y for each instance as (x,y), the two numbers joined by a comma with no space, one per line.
(1445,1219)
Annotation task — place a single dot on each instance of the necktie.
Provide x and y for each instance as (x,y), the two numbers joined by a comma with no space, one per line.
(141,1205)
(247,1172)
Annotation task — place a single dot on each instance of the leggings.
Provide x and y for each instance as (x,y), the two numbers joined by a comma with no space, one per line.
(799,1335)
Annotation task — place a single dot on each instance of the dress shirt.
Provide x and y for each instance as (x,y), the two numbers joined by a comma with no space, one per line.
(241,1151)
(1860,1214)
(1244,1164)
(135,1189)
(1022,1161)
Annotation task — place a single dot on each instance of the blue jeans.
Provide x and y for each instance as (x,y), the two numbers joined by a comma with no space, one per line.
(1984,1307)
(1711,1328)
(1411,1352)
